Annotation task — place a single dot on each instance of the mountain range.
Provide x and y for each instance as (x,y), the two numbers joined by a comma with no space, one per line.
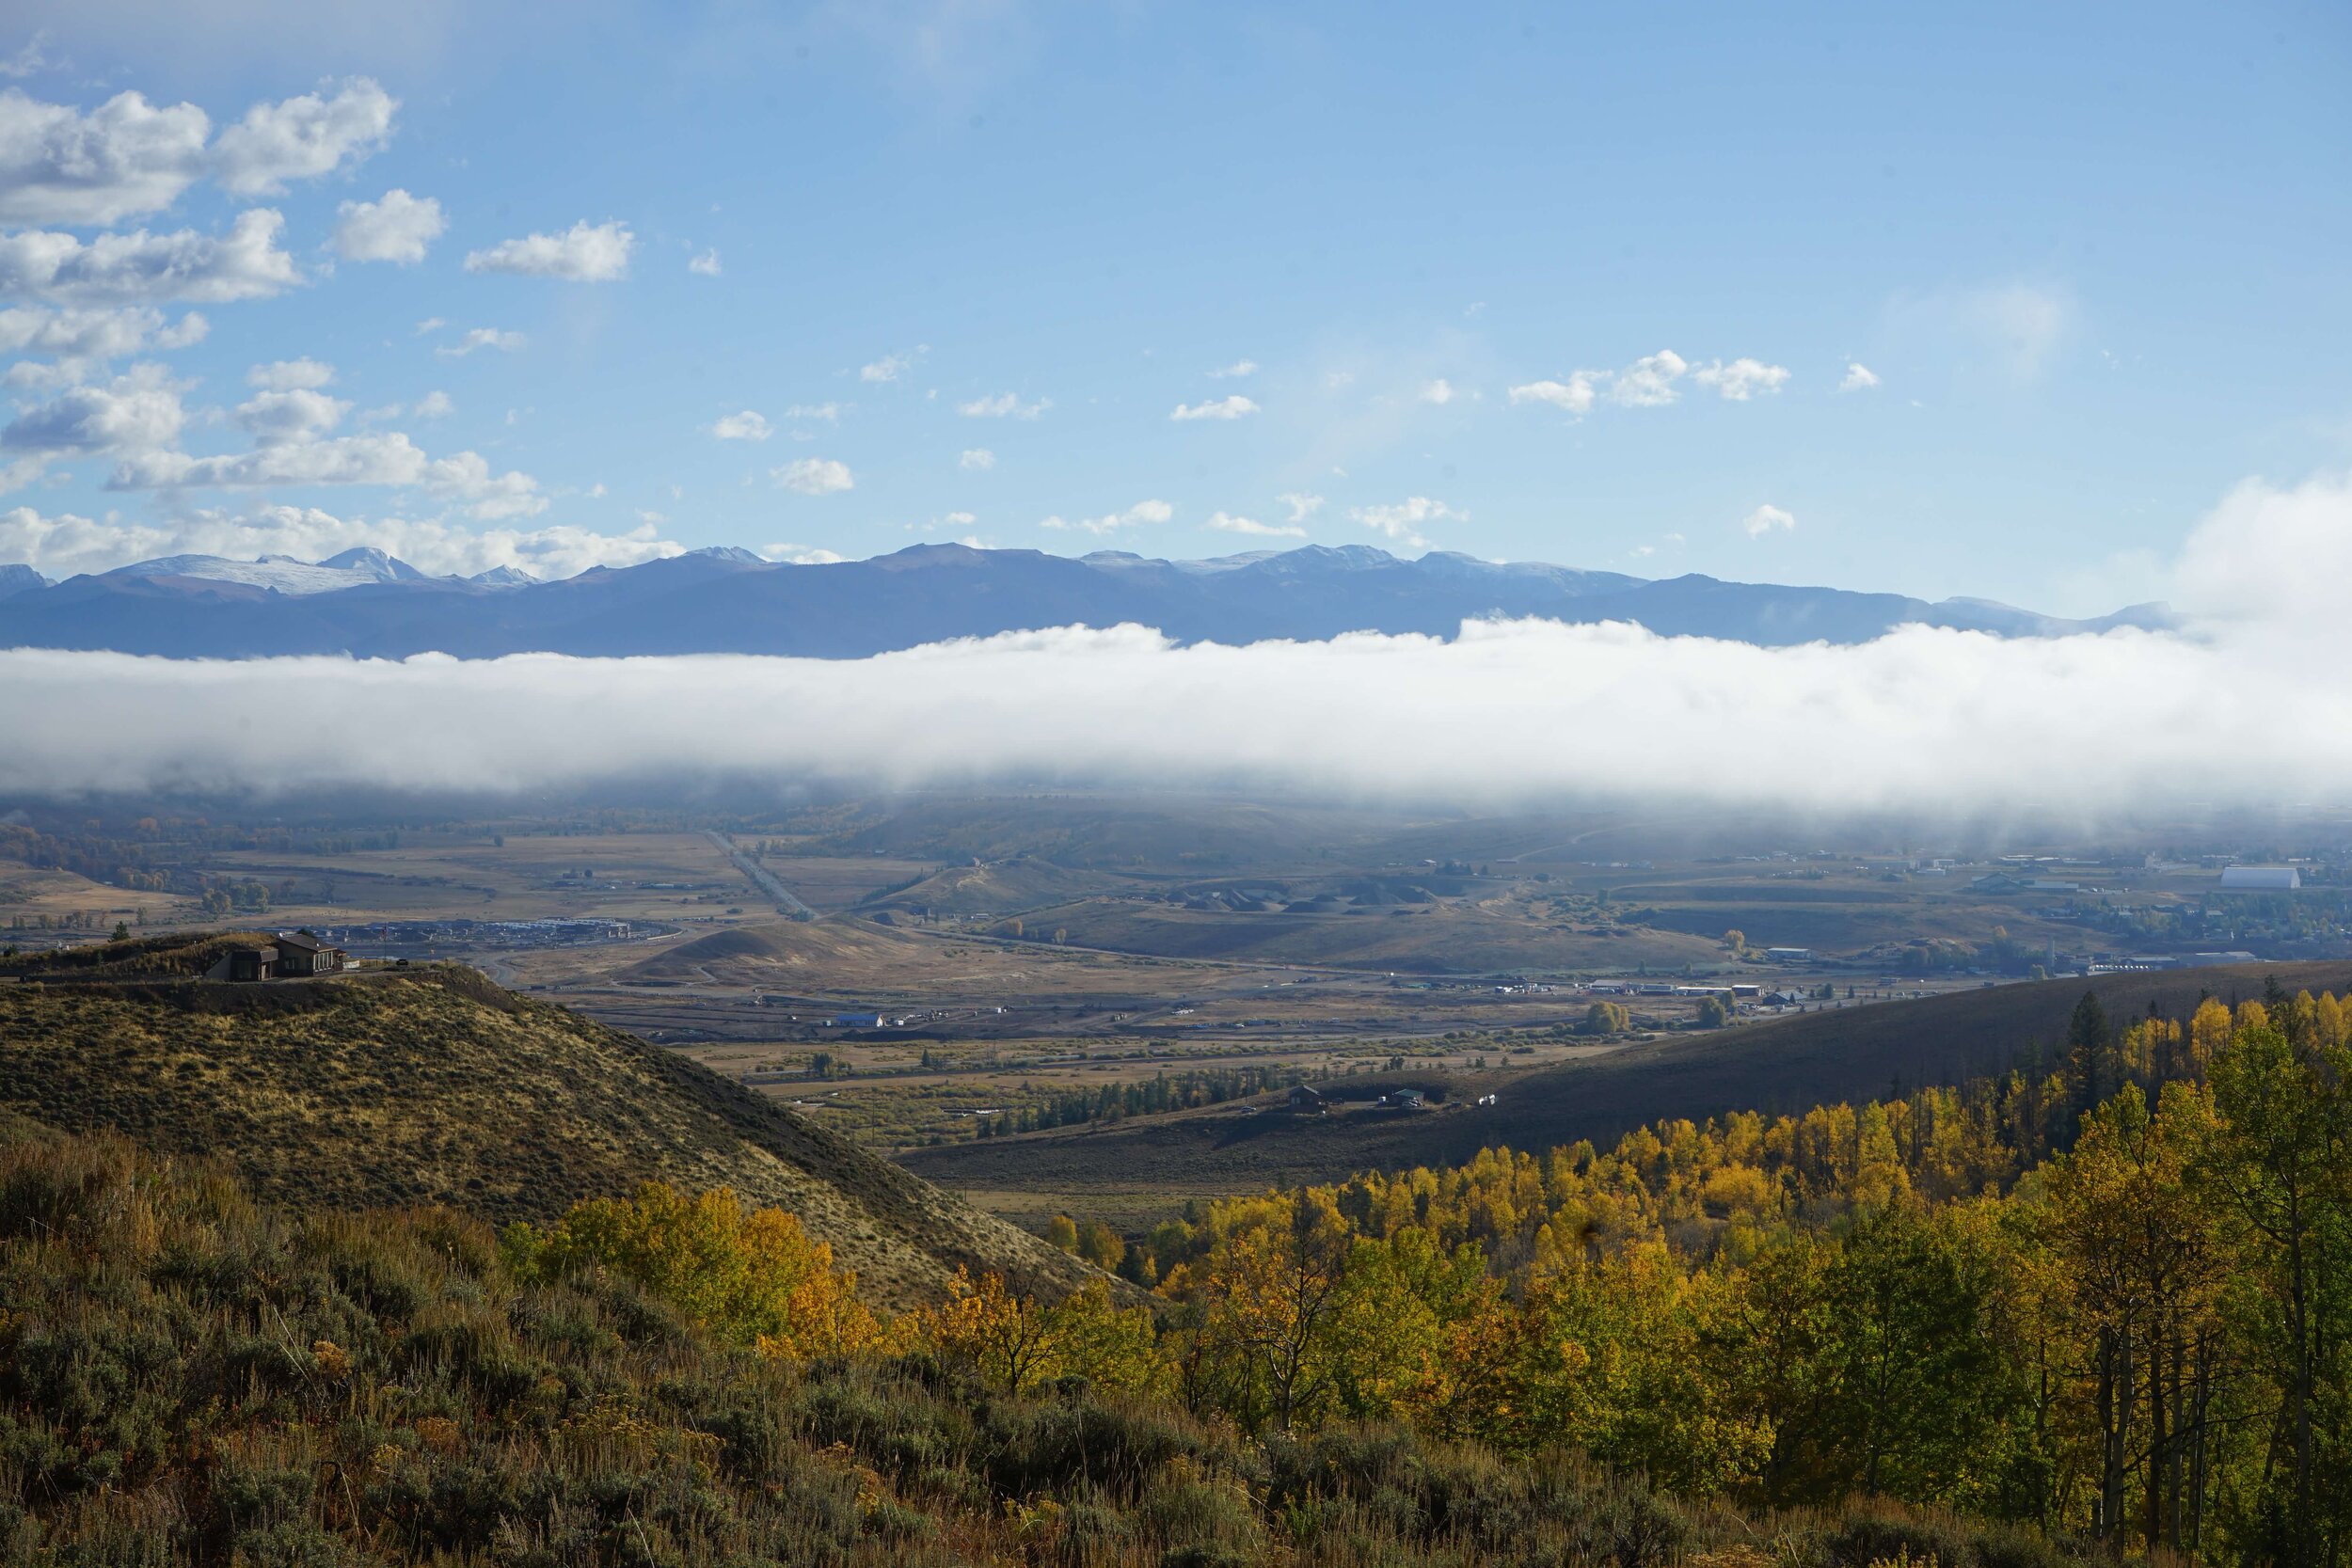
(367,604)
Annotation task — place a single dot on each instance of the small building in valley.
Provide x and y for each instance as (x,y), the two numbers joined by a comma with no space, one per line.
(1306,1101)
(2261,879)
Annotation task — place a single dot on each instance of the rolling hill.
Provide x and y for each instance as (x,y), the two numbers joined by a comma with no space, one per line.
(1779,1065)
(433,1084)
(732,601)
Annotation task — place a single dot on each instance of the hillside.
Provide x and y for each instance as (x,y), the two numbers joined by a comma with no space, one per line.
(392,1087)
(1778,1065)
(732,601)
(188,1377)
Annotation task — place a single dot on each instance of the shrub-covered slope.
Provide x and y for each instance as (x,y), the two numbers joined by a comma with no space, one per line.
(187,1377)
(435,1085)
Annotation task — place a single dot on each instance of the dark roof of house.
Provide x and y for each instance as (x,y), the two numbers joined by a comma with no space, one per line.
(301,939)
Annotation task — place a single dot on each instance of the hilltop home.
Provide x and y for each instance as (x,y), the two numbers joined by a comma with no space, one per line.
(1306,1101)
(300,953)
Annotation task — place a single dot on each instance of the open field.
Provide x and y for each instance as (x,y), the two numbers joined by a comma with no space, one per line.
(1126,1171)
(994,960)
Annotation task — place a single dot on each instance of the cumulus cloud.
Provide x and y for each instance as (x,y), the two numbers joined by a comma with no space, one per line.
(1112,522)
(1649,381)
(397,228)
(124,158)
(977,458)
(1238,368)
(65,545)
(1233,408)
(1572,396)
(749,425)
(1403,521)
(799,555)
(481,338)
(136,412)
(829,412)
(1764,520)
(301,413)
(1653,381)
(814,476)
(81,339)
(1438,391)
(285,375)
(433,405)
(1741,379)
(43,265)
(1858,377)
(1226,522)
(1007,406)
(1302,505)
(890,367)
(1921,719)
(584,253)
(704,265)
(303,137)
(299,455)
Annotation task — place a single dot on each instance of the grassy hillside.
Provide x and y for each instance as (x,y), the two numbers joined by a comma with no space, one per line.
(433,1084)
(1784,1064)
(189,1377)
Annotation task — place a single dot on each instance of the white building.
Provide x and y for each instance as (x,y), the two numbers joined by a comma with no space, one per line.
(2266,879)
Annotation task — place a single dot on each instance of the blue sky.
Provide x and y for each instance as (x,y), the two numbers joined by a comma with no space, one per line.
(1586,286)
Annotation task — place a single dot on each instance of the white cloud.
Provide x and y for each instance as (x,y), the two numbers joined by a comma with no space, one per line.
(1764,520)
(124,158)
(1858,378)
(1403,521)
(397,228)
(480,338)
(749,425)
(1302,506)
(1438,391)
(431,324)
(799,555)
(1238,368)
(2083,727)
(1233,408)
(1226,522)
(1649,381)
(1574,395)
(301,413)
(977,458)
(1134,516)
(890,367)
(139,411)
(387,459)
(1005,405)
(829,412)
(1741,379)
(584,253)
(285,375)
(80,338)
(704,265)
(434,406)
(302,137)
(142,268)
(814,476)
(65,545)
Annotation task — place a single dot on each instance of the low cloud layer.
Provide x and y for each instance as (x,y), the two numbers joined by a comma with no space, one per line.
(2249,709)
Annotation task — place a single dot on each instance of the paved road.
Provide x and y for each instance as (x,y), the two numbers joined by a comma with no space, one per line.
(776,892)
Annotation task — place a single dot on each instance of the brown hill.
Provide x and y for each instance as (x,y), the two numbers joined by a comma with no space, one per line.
(1785,1064)
(391,1088)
